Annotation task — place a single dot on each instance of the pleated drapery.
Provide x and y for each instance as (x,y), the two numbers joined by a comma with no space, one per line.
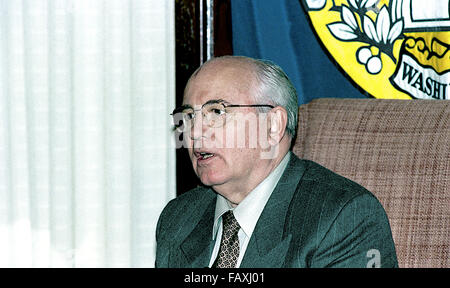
(86,161)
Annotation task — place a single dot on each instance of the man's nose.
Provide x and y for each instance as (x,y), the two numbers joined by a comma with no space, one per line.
(198,126)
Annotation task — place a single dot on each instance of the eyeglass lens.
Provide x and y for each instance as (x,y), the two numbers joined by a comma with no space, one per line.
(213,115)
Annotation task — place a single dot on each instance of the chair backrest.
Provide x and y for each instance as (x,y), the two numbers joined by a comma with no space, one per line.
(400,151)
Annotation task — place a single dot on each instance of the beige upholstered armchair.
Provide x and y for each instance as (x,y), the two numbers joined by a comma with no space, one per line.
(400,151)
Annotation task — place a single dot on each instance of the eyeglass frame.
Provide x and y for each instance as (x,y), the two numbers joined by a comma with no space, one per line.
(220,101)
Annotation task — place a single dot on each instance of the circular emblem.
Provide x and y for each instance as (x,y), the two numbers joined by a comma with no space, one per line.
(393,49)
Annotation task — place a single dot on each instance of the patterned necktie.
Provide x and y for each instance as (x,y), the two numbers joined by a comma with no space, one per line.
(229,246)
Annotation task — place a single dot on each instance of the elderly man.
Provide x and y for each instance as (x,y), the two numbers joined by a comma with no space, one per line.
(260,205)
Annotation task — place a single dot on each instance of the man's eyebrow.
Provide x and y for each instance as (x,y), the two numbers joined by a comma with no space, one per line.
(215,101)
(212,101)
(184,106)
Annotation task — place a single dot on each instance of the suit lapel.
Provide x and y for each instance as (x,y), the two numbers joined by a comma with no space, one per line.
(269,244)
(196,249)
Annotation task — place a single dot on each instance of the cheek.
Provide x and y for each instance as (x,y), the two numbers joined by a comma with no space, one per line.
(240,161)
(244,133)
(229,137)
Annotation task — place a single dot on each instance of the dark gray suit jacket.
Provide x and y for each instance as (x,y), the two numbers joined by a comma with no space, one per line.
(314,218)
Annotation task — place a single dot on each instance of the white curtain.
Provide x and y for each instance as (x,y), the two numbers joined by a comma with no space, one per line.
(86,161)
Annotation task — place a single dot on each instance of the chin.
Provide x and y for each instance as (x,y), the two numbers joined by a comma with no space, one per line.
(211,179)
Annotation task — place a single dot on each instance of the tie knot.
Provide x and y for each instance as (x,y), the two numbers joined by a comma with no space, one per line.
(230,224)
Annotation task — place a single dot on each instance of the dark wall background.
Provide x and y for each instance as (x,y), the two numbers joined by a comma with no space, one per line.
(187,29)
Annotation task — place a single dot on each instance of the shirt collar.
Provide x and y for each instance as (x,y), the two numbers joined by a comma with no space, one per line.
(248,211)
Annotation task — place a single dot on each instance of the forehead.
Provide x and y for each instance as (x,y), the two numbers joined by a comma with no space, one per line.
(231,82)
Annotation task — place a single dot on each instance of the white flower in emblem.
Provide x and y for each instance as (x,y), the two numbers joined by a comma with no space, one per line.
(379,35)
(345,30)
(383,33)
(357,4)
(349,18)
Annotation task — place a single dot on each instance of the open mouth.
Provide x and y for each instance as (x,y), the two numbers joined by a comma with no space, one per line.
(202,156)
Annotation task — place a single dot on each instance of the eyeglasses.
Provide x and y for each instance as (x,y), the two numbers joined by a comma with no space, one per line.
(214,114)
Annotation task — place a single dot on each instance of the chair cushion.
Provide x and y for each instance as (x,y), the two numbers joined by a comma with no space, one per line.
(400,151)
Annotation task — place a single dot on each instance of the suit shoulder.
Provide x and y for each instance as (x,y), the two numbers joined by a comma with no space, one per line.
(194,195)
(325,201)
(327,180)
(322,191)
(184,208)
(188,201)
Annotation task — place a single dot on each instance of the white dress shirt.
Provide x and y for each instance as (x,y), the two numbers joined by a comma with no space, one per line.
(247,212)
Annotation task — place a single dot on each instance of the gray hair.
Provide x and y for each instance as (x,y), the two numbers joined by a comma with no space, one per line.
(272,87)
(276,88)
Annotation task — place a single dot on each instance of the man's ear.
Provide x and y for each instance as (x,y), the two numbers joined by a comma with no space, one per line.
(277,125)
